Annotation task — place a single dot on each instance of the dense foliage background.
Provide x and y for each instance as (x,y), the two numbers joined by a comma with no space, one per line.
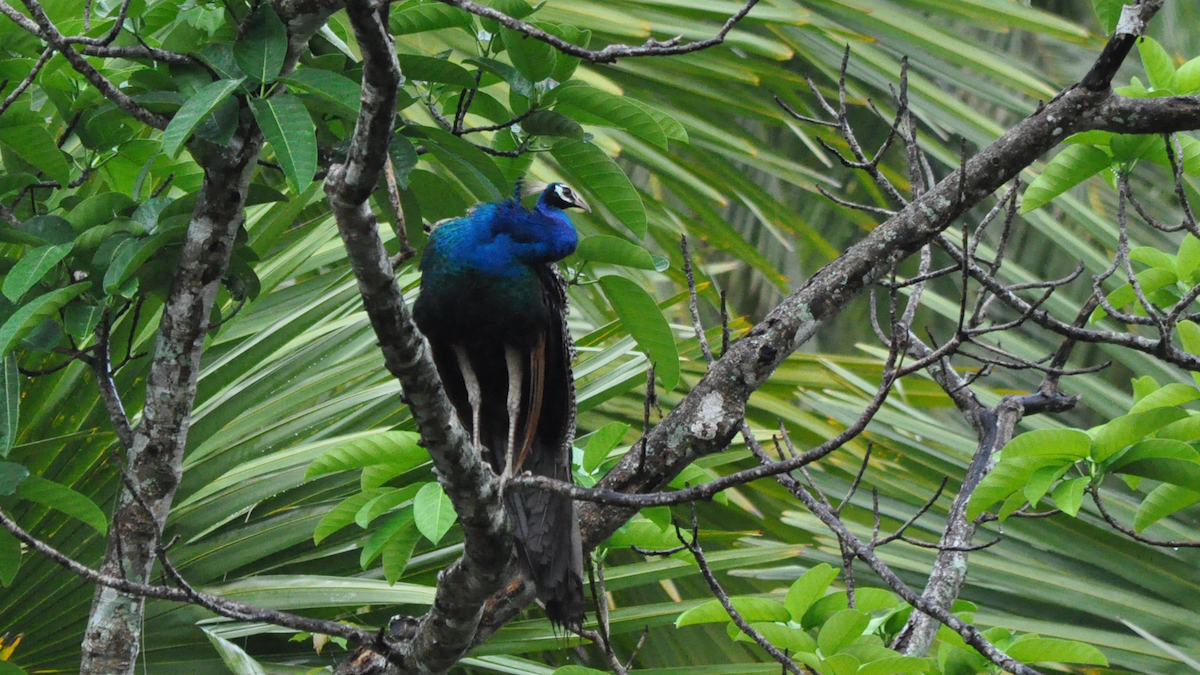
(699,147)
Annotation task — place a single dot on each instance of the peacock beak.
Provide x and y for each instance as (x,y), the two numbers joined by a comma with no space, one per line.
(582,204)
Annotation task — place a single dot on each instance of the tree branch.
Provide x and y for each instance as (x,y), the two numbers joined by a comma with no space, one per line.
(610,53)
(445,633)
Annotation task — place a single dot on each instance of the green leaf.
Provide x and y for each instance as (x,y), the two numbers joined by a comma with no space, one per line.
(380,537)
(1150,280)
(131,254)
(1109,12)
(235,658)
(289,129)
(34,144)
(80,320)
(601,443)
(784,637)
(11,476)
(62,498)
(895,665)
(1182,472)
(1162,502)
(600,107)
(602,180)
(1187,78)
(1157,62)
(1153,257)
(477,171)
(430,69)
(345,513)
(261,49)
(340,91)
(1009,476)
(577,670)
(1186,429)
(1040,482)
(1072,166)
(1049,443)
(32,314)
(10,403)
(385,502)
(564,66)
(10,559)
(433,512)
(193,112)
(1054,650)
(1068,496)
(604,248)
(1189,335)
(551,123)
(427,17)
(1129,429)
(534,58)
(642,319)
(808,589)
(842,629)
(387,447)
(399,549)
(31,268)
(752,610)
(1152,448)
(1173,394)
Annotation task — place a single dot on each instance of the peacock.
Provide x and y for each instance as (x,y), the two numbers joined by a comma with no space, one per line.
(493,307)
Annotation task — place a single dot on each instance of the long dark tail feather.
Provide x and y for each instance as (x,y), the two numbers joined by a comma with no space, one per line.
(547,528)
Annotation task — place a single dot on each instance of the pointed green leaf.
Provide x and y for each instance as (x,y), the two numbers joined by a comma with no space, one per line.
(193,112)
(339,90)
(32,314)
(551,123)
(34,144)
(752,609)
(431,69)
(1069,168)
(1037,649)
(1171,395)
(31,268)
(11,476)
(1181,472)
(841,629)
(399,549)
(641,318)
(387,447)
(384,503)
(602,180)
(1157,62)
(235,658)
(427,17)
(260,51)
(534,58)
(10,403)
(1049,443)
(289,129)
(433,512)
(1162,502)
(808,589)
(380,537)
(1129,429)
(601,443)
(344,513)
(590,105)
(62,498)
(1068,496)
(1109,12)
(605,248)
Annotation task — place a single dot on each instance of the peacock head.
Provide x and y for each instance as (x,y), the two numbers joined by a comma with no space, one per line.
(555,195)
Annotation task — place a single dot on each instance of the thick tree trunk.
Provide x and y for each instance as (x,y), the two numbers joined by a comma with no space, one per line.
(154,461)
